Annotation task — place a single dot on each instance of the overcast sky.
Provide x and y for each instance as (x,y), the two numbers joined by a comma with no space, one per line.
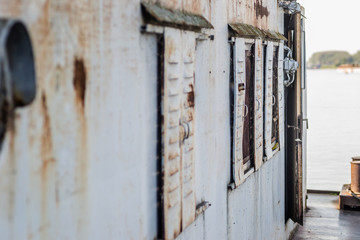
(332,25)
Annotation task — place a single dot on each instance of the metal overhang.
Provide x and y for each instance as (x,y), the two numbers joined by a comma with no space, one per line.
(248,31)
(272,35)
(157,15)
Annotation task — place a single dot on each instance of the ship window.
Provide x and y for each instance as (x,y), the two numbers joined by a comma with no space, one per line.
(246,108)
(176,102)
(275,110)
(248,135)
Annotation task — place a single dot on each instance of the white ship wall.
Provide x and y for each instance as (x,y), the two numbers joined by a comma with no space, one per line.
(80,162)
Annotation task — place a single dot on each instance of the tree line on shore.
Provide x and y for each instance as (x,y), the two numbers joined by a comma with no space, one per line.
(333,59)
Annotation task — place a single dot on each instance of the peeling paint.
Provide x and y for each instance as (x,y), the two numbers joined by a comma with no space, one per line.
(191,97)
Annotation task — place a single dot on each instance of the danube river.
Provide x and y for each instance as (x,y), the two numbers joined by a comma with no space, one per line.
(334,127)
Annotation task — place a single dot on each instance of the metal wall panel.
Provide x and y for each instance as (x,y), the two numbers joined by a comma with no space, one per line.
(178,131)
(85,175)
(269,101)
(258,104)
(239,110)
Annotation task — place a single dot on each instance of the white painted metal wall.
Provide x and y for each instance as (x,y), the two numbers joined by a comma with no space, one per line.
(86,169)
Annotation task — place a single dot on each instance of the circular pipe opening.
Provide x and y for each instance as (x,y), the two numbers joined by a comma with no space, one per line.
(20,57)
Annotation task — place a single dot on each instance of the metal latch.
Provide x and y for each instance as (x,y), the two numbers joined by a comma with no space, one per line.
(200,208)
(185,131)
(290,67)
(294,127)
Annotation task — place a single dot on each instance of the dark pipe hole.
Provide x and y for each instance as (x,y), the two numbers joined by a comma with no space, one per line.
(3,105)
(21,63)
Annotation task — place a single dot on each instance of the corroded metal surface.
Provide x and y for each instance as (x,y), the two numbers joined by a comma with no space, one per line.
(81,162)
(299,123)
(355,175)
(259,13)
(191,6)
(45,160)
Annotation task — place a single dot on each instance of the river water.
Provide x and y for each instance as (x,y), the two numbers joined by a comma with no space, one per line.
(334,127)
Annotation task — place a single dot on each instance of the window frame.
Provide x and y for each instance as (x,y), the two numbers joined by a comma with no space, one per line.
(276,105)
(240,169)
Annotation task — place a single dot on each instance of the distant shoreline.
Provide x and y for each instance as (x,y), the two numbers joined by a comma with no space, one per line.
(345,68)
(334,60)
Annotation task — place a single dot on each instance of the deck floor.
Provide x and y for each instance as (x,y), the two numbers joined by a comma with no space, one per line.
(324,221)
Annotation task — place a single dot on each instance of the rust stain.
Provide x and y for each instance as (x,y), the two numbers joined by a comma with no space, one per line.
(355,175)
(170,48)
(11,167)
(190,116)
(82,166)
(173,156)
(192,6)
(260,10)
(191,96)
(48,164)
(80,80)
(172,4)
(11,8)
(46,146)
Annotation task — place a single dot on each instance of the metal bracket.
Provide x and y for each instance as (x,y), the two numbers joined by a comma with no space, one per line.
(291,7)
(200,208)
(290,67)
(295,128)
(206,34)
(204,37)
(232,40)
(232,186)
(154,29)
(307,122)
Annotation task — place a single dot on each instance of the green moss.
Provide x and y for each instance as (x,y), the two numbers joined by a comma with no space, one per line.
(158,15)
(249,31)
(246,30)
